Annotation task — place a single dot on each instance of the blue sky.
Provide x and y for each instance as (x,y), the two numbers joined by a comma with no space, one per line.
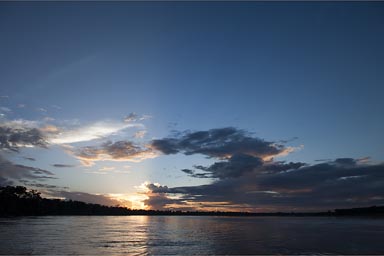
(305,75)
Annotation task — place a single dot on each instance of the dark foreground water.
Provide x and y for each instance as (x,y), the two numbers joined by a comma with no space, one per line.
(190,235)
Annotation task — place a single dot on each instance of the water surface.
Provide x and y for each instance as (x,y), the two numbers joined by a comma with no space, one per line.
(190,235)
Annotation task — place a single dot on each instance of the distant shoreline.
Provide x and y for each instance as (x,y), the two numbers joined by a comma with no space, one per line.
(18,201)
(375,216)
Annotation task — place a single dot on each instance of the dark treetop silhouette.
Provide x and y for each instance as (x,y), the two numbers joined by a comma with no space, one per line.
(18,201)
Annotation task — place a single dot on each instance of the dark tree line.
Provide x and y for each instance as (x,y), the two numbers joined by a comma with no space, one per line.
(18,201)
(373,210)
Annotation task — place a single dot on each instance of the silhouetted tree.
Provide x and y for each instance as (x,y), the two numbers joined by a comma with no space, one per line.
(17,201)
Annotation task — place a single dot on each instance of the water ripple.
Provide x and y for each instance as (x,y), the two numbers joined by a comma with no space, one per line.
(142,235)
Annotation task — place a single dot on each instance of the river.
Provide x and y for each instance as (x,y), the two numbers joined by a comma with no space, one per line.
(202,235)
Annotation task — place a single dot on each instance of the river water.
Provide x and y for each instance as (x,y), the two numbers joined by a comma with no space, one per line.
(202,235)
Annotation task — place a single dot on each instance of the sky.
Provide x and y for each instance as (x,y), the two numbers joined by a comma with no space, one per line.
(232,106)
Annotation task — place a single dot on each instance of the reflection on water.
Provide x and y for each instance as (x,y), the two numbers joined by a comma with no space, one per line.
(137,235)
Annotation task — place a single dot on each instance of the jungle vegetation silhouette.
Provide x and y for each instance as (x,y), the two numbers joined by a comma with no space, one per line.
(18,201)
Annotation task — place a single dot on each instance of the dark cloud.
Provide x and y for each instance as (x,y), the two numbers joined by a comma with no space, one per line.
(187,171)
(41,185)
(15,172)
(14,138)
(63,165)
(113,151)
(275,167)
(323,160)
(90,198)
(158,199)
(30,158)
(345,161)
(160,202)
(219,143)
(157,188)
(289,186)
(310,176)
(236,166)
(5,182)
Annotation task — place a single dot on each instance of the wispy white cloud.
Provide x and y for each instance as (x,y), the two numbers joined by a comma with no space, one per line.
(98,130)
(5,110)
(110,170)
(140,134)
(43,110)
(56,107)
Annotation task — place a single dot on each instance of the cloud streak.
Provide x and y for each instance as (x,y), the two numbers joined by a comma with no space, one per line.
(98,130)
(113,151)
(11,173)
(63,165)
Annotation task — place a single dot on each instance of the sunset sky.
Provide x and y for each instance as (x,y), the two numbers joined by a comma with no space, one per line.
(235,106)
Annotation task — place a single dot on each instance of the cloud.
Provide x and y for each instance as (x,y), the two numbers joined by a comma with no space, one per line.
(140,134)
(241,155)
(5,110)
(56,107)
(98,130)
(49,129)
(281,166)
(5,182)
(63,165)
(10,172)
(30,158)
(113,151)
(324,174)
(235,166)
(90,198)
(156,197)
(156,188)
(43,110)
(16,134)
(219,143)
(160,202)
(133,117)
(188,171)
(283,186)
(108,170)
(20,133)
(239,151)
(41,186)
